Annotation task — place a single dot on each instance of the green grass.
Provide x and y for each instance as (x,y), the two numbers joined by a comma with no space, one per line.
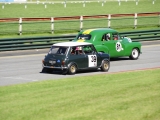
(76,9)
(122,96)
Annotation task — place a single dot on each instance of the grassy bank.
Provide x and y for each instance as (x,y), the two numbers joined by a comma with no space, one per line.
(76,9)
(121,96)
(37,28)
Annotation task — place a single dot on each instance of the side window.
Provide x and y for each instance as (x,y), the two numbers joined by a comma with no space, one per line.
(77,50)
(106,37)
(115,36)
(73,50)
(61,50)
(89,50)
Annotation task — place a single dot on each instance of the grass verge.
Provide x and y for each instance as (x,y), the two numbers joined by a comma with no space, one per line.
(32,28)
(122,96)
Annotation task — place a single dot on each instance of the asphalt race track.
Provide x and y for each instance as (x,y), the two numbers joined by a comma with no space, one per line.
(25,66)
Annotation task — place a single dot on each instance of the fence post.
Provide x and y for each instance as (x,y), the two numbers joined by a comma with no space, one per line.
(119,2)
(45,6)
(136,2)
(159,20)
(20,26)
(65,3)
(2,6)
(81,23)
(109,21)
(102,3)
(135,20)
(84,3)
(25,6)
(52,25)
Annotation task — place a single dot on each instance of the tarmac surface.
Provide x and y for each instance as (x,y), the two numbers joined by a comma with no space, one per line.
(19,67)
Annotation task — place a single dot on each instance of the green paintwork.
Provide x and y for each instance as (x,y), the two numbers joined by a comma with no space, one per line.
(116,48)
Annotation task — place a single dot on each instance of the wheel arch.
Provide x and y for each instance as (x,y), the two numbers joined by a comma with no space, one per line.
(105,60)
(131,56)
(103,65)
(128,50)
(135,48)
(72,63)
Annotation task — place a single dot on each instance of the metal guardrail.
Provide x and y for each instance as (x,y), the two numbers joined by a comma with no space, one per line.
(32,42)
(140,33)
(46,42)
(145,35)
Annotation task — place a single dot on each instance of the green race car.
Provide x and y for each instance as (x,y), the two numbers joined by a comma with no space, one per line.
(109,41)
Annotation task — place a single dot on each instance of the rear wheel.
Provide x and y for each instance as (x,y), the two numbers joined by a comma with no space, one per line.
(105,66)
(72,69)
(134,54)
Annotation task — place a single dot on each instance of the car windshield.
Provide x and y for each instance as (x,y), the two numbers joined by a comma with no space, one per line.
(84,37)
(58,50)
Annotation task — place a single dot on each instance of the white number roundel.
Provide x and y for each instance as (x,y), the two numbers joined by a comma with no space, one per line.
(118,47)
(92,60)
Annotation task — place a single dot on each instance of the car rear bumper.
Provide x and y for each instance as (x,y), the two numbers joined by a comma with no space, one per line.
(53,67)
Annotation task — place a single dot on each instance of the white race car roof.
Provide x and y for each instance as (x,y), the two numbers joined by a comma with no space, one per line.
(71,44)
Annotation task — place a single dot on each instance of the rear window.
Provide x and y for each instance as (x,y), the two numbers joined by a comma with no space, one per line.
(84,37)
(58,50)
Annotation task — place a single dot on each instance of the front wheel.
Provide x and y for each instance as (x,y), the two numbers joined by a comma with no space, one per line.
(105,66)
(72,69)
(134,54)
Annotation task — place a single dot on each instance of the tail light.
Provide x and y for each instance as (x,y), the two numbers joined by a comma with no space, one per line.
(63,62)
(43,61)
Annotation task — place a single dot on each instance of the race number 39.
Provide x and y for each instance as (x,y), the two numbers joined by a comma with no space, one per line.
(92,60)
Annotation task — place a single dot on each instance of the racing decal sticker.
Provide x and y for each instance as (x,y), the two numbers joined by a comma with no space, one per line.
(92,61)
(118,47)
(80,40)
(88,31)
(58,61)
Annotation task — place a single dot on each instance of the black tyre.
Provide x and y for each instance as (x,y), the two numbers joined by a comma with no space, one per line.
(47,70)
(64,72)
(72,69)
(105,66)
(134,54)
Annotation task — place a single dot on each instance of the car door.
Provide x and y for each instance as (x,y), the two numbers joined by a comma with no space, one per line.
(114,44)
(77,56)
(91,54)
